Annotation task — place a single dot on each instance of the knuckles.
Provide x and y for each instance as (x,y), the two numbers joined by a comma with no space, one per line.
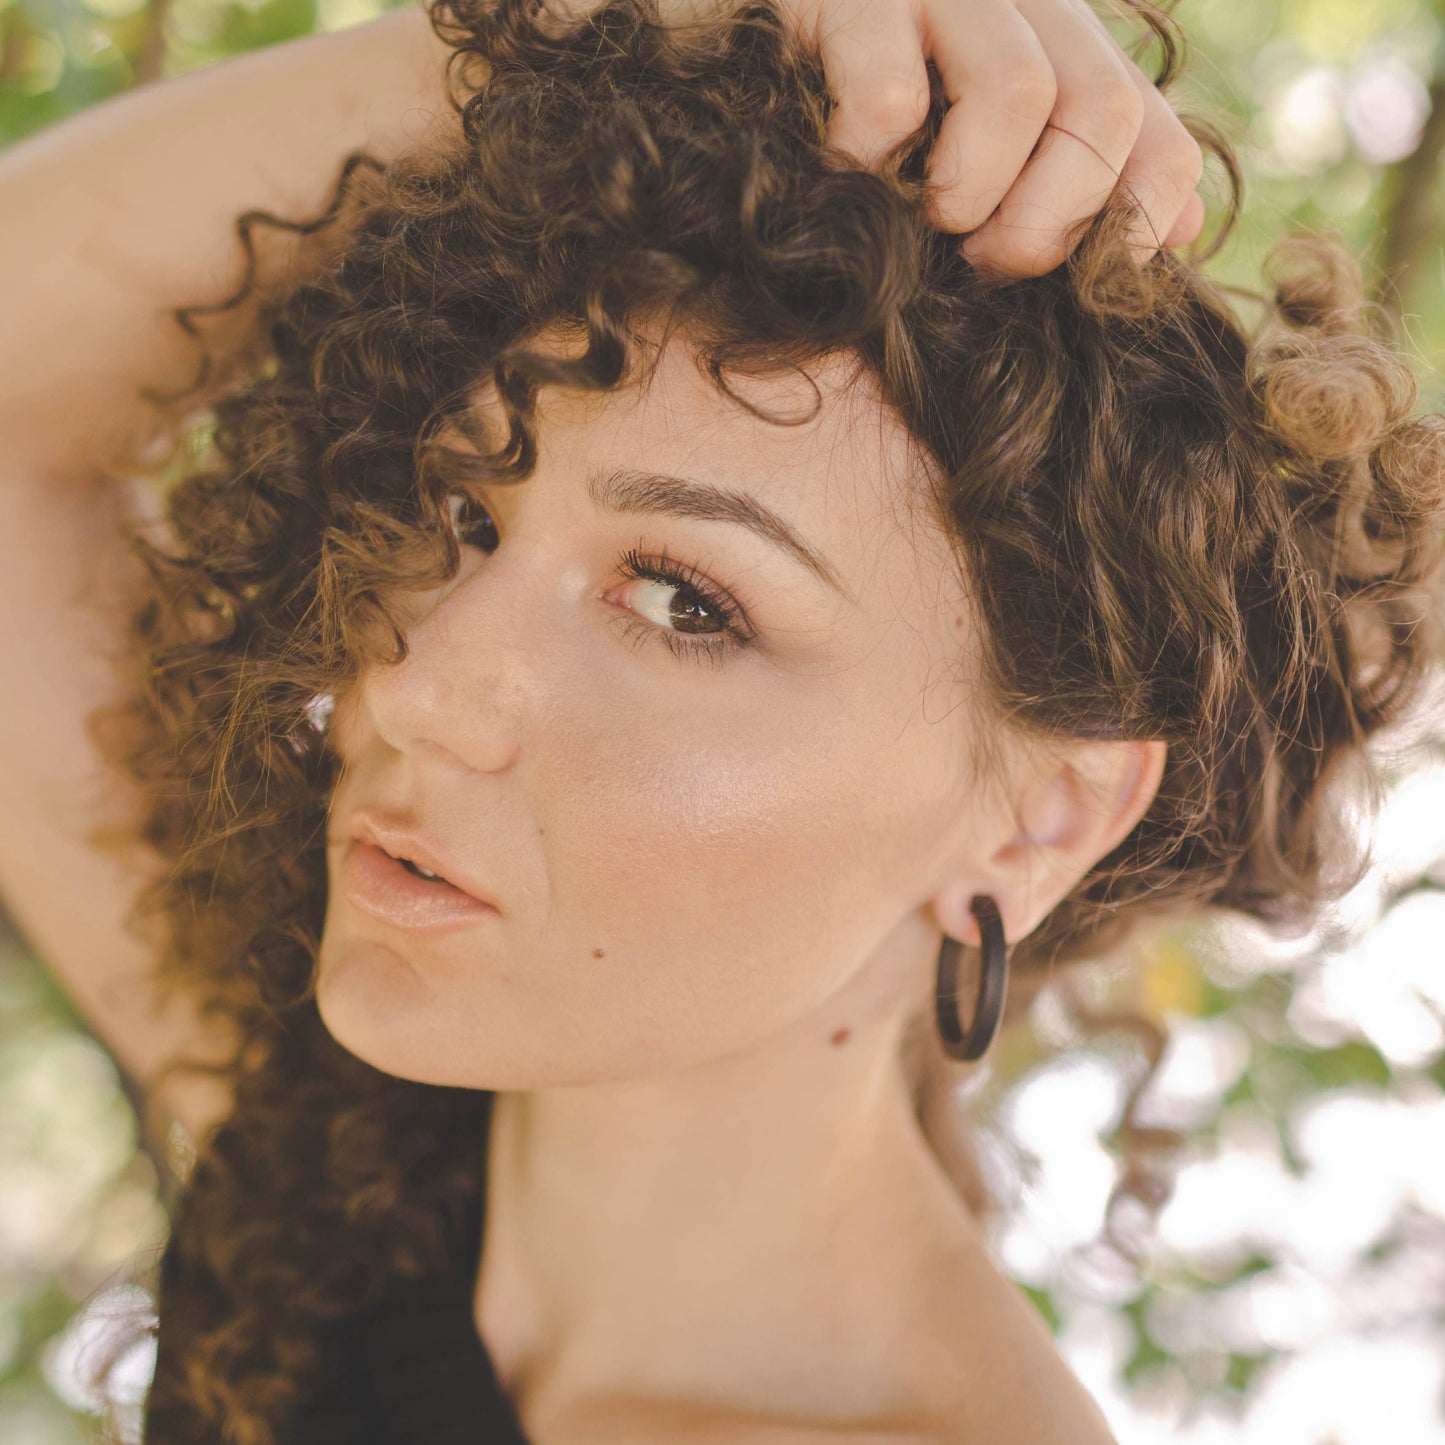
(1112,113)
(892,105)
(1026,91)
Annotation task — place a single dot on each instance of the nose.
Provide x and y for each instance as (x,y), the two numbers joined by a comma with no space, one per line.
(466,686)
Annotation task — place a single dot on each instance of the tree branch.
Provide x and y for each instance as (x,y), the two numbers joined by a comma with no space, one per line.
(1408,216)
(152,55)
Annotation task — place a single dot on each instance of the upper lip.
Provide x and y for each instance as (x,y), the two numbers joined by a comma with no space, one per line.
(402,842)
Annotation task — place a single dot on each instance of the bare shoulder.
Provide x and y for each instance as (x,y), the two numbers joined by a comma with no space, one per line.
(67,584)
(1037,1420)
(1037,1413)
(976,1365)
(1021,1394)
(996,1372)
(627,1421)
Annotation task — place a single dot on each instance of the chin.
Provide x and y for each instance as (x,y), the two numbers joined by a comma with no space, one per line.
(376,1005)
(381,1009)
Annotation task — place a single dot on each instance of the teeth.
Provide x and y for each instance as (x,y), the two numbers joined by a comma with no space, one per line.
(417,868)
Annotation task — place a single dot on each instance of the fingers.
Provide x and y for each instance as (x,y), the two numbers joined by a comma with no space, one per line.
(873,56)
(1096,121)
(1164,167)
(1049,116)
(1001,88)
(1162,171)
(1190,223)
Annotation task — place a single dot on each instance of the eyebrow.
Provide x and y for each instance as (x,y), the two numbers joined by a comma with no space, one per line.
(626,489)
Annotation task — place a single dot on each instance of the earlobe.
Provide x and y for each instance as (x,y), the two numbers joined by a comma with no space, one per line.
(1072,816)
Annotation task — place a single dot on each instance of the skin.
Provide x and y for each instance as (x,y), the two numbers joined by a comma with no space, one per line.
(784,827)
(722,892)
(1048,117)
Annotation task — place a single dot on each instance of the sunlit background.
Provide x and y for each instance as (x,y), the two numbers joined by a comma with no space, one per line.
(1294,1293)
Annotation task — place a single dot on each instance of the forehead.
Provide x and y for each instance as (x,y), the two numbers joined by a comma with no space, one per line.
(826,450)
(846,475)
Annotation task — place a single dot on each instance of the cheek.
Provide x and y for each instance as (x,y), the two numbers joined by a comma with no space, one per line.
(699,822)
(733,874)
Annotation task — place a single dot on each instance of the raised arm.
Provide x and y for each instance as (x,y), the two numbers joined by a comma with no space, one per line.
(126,210)
(109,220)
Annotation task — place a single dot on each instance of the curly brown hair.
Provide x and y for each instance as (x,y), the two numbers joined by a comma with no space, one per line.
(1175,526)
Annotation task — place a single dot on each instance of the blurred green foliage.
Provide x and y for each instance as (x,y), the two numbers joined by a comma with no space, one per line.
(1338,110)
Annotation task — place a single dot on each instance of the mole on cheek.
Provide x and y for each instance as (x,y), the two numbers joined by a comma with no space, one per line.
(597,953)
(840,1036)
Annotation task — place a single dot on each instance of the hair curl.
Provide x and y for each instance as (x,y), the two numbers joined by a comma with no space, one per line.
(1175,527)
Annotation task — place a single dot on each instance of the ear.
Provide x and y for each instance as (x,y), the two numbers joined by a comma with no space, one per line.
(1068,813)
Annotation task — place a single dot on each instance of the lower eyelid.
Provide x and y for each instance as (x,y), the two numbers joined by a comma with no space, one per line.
(731,635)
(677,643)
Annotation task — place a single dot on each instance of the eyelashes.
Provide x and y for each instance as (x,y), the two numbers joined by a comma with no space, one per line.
(475,527)
(663,570)
(470,529)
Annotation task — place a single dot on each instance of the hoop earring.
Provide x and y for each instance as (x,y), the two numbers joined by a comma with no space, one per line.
(992,985)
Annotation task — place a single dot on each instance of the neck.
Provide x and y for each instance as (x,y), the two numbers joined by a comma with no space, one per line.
(757,1233)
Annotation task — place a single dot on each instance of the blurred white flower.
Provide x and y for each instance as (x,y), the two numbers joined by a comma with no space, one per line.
(1226,1208)
(1202,1061)
(110,1322)
(319,710)
(1353,1390)
(1303,122)
(1384,106)
(1389,987)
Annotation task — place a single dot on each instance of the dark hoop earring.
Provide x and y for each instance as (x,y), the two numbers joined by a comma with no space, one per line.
(992,985)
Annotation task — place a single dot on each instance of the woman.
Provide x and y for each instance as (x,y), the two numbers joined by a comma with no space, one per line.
(648,599)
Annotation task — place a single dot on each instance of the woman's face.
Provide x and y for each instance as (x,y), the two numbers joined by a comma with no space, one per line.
(688,853)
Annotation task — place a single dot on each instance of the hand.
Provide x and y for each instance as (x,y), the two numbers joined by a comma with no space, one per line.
(1048,114)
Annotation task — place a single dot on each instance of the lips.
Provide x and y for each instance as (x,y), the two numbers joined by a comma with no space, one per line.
(379,885)
(405,843)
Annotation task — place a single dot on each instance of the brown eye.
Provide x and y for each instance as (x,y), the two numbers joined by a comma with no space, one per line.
(472,522)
